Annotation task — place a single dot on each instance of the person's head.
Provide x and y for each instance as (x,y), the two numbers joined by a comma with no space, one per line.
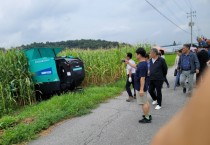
(186,48)
(179,52)
(154,53)
(159,54)
(147,57)
(129,56)
(162,52)
(208,42)
(199,39)
(140,53)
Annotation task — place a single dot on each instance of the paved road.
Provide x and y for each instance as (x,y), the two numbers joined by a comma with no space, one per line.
(116,122)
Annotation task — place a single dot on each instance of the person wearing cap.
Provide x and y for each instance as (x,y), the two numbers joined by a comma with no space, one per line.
(188,65)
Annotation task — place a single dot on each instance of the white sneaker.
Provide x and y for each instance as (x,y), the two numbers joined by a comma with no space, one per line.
(154,102)
(157,107)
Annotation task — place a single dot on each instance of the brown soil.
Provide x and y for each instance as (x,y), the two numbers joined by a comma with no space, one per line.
(28,120)
(50,129)
(1,132)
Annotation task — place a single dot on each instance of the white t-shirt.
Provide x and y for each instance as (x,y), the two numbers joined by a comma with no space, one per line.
(128,67)
(153,60)
(176,61)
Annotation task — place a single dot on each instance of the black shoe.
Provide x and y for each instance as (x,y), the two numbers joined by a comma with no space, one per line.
(129,99)
(168,86)
(150,117)
(145,120)
(184,90)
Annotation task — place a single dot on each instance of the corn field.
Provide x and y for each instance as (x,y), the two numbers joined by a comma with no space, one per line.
(16,87)
(102,66)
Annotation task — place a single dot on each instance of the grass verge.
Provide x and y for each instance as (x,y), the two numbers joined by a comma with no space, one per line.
(25,124)
(170,59)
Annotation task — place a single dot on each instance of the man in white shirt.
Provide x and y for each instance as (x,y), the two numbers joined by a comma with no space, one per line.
(130,77)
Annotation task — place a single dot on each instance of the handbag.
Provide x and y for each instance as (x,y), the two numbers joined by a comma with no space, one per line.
(175,72)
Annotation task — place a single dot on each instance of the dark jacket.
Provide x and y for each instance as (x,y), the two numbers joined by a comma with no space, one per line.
(203,58)
(194,63)
(158,70)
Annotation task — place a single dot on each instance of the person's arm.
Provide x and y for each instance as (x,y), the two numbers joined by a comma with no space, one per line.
(142,83)
(129,73)
(129,69)
(191,125)
(197,63)
(131,64)
(179,63)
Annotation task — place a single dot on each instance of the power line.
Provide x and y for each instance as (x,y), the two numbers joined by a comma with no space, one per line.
(166,17)
(187,3)
(172,13)
(178,5)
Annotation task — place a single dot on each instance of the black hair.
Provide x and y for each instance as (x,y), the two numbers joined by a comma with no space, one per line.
(159,53)
(180,51)
(187,45)
(129,55)
(162,52)
(141,51)
(147,56)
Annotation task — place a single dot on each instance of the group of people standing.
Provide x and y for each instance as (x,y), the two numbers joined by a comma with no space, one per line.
(151,71)
(190,62)
(148,75)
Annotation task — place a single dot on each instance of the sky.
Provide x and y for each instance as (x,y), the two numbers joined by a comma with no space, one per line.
(130,21)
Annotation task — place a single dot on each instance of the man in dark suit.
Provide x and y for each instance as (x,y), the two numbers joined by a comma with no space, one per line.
(158,72)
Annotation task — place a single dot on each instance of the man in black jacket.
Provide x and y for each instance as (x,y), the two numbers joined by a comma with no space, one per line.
(158,72)
(203,59)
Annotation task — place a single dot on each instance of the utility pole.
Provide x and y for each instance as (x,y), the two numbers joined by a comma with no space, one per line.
(191,23)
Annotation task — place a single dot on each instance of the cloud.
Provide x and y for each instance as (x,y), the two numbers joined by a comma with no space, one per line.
(130,21)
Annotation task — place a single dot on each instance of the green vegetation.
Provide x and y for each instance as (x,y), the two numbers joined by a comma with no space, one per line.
(170,59)
(24,124)
(82,44)
(103,67)
(16,87)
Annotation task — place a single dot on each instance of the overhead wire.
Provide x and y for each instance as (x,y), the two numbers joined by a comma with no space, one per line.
(166,17)
(172,13)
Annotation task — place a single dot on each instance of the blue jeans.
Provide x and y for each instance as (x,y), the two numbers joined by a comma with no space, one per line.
(177,80)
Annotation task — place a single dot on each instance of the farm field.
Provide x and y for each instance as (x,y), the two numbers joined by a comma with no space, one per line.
(104,79)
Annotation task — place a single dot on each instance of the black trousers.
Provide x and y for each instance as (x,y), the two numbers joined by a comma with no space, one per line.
(155,90)
(128,85)
(166,81)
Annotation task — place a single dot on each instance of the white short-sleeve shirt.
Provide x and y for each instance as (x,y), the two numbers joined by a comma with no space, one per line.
(133,70)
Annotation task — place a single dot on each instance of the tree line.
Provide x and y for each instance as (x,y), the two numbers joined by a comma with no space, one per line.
(82,44)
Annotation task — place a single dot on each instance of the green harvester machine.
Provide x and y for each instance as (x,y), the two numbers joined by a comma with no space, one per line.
(52,74)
